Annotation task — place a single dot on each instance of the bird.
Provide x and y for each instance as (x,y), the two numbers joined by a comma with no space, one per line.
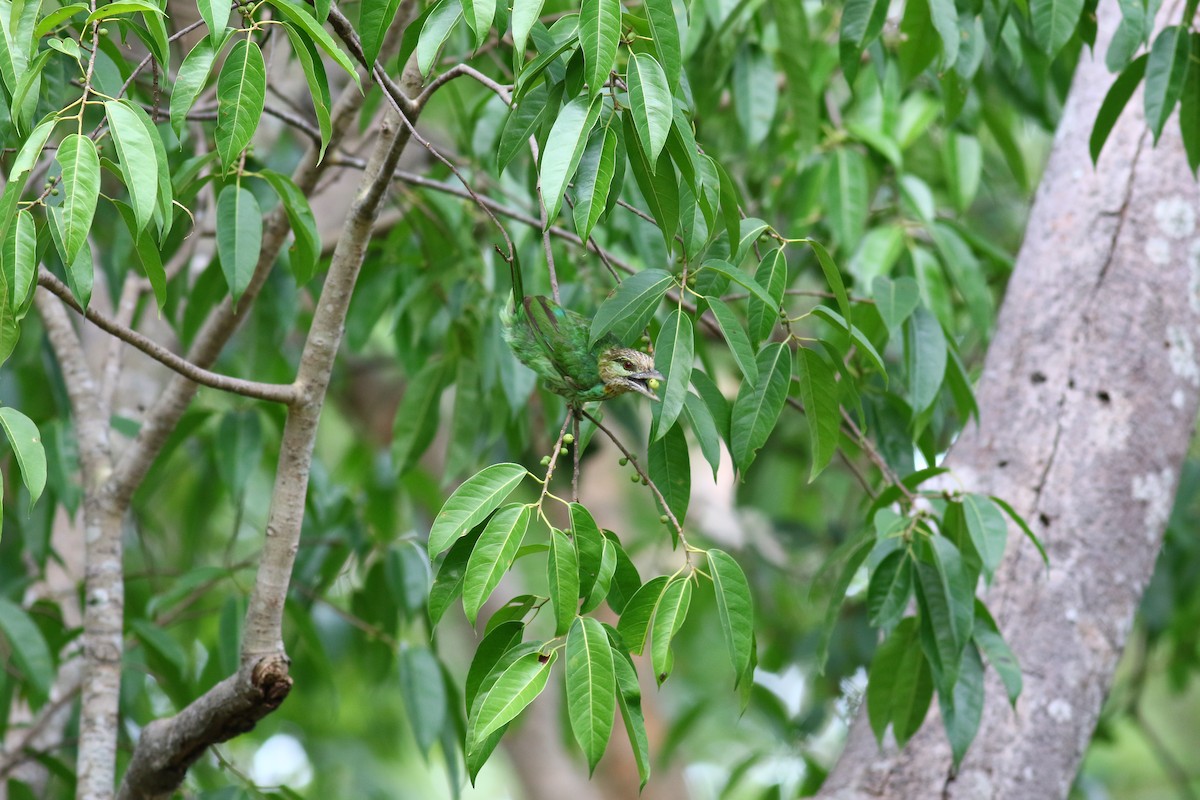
(553,342)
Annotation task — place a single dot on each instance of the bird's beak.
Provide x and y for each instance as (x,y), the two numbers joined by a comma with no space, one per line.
(641,382)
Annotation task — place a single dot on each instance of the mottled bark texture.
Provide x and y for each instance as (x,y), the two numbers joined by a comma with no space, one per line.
(1088,400)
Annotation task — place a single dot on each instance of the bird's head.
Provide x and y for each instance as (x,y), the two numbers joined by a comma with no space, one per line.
(625,370)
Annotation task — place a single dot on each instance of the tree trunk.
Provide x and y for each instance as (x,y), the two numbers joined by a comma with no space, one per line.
(1087,403)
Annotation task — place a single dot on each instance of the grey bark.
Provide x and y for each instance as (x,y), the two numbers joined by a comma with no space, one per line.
(1088,400)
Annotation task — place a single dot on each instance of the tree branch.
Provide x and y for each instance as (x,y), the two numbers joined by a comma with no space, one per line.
(274,392)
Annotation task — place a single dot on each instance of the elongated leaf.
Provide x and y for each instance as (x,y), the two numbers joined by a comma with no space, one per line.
(757,407)
(669,615)
(599,32)
(19,257)
(148,252)
(513,691)
(563,151)
(604,577)
(1054,22)
(112,10)
(26,443)
(594,180)
(755,93)
(239,236)
(735,608)
(591,687)
(704,428)
(18,174)
(738,277)
(562,574)
(822,412)
(657,183)
(472,502)
(895,299)
(635,619)
(1189,109)
(987,635)
(589,543)
(772,275)
(375,17)
(306,249)
(29,650)
(735,336)
(448,582)
(987,528)
(189,82)
(649,102)
(924,358)
(847,194)
(139,167)
(669,466)
(57,17)
(498,641)
(856,336)
(945,598)
(81,189)
(417,416)
(301,17)
(1165,74)
(1024,526)
(524,14)
(241,89)
(674,353)
(493,555)
(561,37)
(318,84)
(436,30)
(479,15)
(833,277)
(628,308)
(889,590)
(862,21)
(962,715)
(629,699)
(664,30)
(424,694)
(899,687)
(524,119)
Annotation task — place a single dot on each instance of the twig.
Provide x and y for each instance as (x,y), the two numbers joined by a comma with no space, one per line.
(641,473)
(274,392)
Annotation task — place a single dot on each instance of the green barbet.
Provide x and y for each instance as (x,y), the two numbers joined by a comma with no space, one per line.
(553,342)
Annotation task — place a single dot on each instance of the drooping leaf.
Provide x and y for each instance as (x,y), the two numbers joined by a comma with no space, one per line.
(755,93)
(562,574)
(599,32)
(734,607)
(889,590)
(895,299)
(674,352)
(424,694)
(924,358)
(524,14)
(313,67)
(629,700)
(493,555)
(962,711)
(735,337)
(594,180)
(375,17)
(239,236)
(591,687)
(822,412)
(757,407)
(28,647)
(669,615)
(564,148)
(81,189)
(987,528)
(241,94)
(139,167)
(26,442)
(417,415)
(899,686)
(472,502)
(664,30)
(704,429)
(1054,22)
(189,82)
(628,308)
(306,250)
(649,102)
(302,17)
(635,619)
(987,635)
(515,689)
(1166,71)
(669,466)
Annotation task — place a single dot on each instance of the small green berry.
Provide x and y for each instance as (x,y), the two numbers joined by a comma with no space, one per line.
(545,461)
(104,31)
(54,191)
(562,451)
(634,478)
(783,314)
(569,439)
(664,519)
(623,461)
(645,482)
(654,383)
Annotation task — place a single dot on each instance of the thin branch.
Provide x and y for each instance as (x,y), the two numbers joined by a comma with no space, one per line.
(274,392)
(457,71)
(179,34)
(641,473)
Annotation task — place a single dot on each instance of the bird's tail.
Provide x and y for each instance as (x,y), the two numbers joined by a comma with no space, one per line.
(518,285)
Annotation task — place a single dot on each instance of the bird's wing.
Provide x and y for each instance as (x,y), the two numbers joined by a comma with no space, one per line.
(562,334)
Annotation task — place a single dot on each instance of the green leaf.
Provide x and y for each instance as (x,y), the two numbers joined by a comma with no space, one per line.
(57,17)
(755,93)
(112,10)
(664,30)
(80,272)
(674,354)
(591,687)
(846,197)
(734,607)
(857,336)
(738,277)
(523,120)
(516,688)
(594,180)
(562,574)
(704,428)
(19,261)
(629,700)
(239,236)
(889,590)
(589,542)
(626,580)
(524,14)
(318,85)
(833,277)
(669,615)
(479,15)
(657,183)
(918,47)
(1165,74)
(81,189)
(987,528)
(139,166)
(306,250)
(493,555)
(669,466)
(26,443)
(604,576)
(772,275)
(599,32)
(472,502)
(375,17)
(895,299)
(498,641)
(30,654)
(924,358)
(563,36)
(216,16)
(899,686)
(962,158)
(1024,526)
(148,252)
(629,307)
(241,89)
(1189,110)
(946,599)
(735,336)
(417,416)
(649,102)
(714,401)
(987,635)
(302,18)
(1054,23)
(758,404)
(424,694)
(564,148)
(962,715)
(862,21)
(635,619)
(822,412)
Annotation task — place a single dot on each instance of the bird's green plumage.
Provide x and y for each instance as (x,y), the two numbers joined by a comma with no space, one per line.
(553,342)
